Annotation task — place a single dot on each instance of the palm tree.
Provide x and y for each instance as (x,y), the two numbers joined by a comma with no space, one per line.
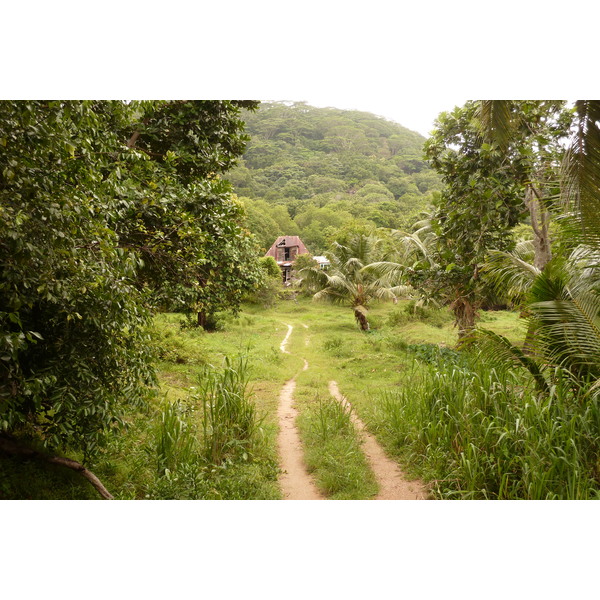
(562,306)
(414,250)
(346,282)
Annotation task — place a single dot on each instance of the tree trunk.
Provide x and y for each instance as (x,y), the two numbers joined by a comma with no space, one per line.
(540,223)
(361,319)
(202,318)
(12,447)
(464,313)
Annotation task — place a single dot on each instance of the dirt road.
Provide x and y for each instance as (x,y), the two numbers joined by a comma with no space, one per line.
(295,481)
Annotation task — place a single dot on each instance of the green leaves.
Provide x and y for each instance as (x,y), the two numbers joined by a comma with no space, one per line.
(96,227)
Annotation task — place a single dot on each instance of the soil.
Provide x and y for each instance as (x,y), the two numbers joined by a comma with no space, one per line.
(295,481)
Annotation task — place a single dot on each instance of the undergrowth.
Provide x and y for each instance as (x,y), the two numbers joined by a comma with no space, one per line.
(481,431)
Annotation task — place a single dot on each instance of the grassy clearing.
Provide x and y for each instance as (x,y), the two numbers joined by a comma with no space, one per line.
(163,451)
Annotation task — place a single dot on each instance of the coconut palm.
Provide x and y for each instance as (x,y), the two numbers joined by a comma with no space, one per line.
(414,250)
(346,282)
(562,304)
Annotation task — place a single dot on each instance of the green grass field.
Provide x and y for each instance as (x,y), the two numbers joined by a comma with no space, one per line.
(365,365)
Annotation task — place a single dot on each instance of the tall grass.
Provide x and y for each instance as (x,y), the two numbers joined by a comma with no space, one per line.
(231,425)
(482,431)
(176,437)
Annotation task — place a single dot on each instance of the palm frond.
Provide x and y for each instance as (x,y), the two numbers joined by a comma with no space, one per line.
(499,348)
(495,121)
(511,273)
(581,171)
(569,331)
(525,250)
(385,270)
(403,291)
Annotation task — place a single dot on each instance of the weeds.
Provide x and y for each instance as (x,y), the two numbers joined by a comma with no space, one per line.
(230,424)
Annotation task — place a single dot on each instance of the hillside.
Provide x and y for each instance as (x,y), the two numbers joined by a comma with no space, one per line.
(309,171)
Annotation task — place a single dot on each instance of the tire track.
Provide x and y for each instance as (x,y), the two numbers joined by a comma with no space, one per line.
(392,483)
(295,482)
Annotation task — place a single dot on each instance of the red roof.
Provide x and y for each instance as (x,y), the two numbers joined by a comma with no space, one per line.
(287,241)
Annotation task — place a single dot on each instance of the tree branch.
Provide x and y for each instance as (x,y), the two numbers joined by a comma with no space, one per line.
(133,139)
(12,447)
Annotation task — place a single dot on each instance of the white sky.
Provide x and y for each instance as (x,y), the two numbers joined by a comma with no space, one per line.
(405,63)
(413,113)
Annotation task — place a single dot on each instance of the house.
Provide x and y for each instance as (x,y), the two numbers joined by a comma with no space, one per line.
(322,261)
(284,250)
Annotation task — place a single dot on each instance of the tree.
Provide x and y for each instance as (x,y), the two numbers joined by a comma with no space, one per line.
(183,220)
(580,165)
(106,209)
(475,212)
(346,282)
(530,135)
(73,340)
(561,298)
(267,291)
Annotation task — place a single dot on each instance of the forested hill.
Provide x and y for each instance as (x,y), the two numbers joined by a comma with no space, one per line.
(310,171)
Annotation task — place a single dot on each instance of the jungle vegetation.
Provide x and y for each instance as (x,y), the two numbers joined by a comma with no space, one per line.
(310,171)
(129,231)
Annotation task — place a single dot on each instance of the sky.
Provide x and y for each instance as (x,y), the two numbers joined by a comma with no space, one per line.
(404,63)
(416,114)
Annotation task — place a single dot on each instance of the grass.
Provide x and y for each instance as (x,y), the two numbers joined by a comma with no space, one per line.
(170,448)
(481,432)
(333,452)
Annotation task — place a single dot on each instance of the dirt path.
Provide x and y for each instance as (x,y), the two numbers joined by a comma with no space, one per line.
(295,482)
(286,339)
(392,483)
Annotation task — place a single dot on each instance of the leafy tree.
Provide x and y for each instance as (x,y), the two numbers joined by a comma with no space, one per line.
(477,208)
(267,291)
(346,282)
(259,220)
(532,143)
(73,343)
(183,220)
(107,208)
